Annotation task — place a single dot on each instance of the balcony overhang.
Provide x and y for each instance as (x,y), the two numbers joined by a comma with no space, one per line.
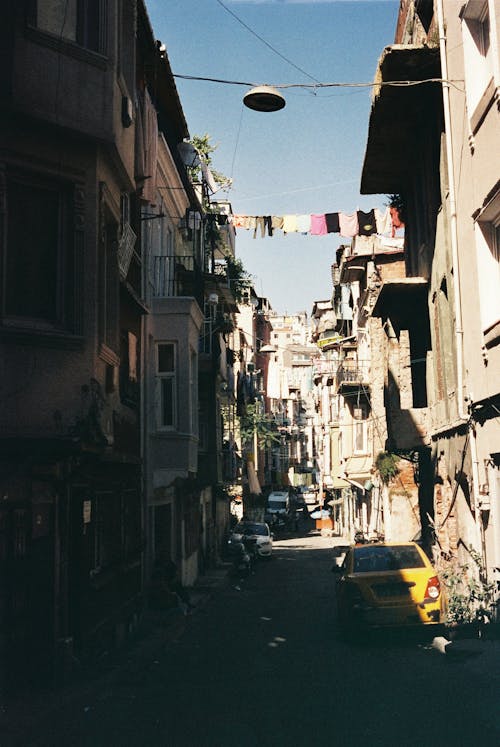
(218,284)
(395,115)
(353,269)
(400,300)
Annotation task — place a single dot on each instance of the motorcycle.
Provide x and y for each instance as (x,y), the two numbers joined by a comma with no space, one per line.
(360,538)
(240,556)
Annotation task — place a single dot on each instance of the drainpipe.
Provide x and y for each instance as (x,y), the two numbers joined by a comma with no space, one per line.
(453,215)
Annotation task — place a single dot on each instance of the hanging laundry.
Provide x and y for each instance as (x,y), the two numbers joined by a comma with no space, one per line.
(303,223)
(383,220)
(349,226)
(318,225)
(366,222)
(396,220)
(332,222)
(240,221)
(259,223)
(289,223)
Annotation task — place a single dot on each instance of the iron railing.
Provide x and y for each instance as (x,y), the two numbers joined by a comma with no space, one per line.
(353,372)
(177,275)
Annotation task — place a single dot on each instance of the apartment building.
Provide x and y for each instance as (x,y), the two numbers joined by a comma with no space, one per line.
(444,163)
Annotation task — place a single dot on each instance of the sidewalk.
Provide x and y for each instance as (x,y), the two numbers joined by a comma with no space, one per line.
(33,711)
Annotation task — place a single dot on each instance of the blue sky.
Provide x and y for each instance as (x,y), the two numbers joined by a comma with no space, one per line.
(306,158)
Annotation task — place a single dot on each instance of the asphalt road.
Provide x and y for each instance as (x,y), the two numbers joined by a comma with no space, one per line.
(262,664)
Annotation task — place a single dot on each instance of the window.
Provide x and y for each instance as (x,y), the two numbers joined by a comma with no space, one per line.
(109,286)
(488,256)
(193,388)
(79,21)
(39,252)
(166,385)
(478,58)
(360,430)
(129,373)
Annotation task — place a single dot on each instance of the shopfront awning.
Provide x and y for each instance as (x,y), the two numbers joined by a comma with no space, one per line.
(396,113)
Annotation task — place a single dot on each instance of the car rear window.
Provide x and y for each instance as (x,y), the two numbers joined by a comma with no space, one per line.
(395,558)
(260,529)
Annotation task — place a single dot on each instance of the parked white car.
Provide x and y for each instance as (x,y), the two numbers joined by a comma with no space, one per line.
(256,533)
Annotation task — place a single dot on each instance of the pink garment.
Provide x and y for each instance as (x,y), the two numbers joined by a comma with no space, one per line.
(349,225)
(318,225)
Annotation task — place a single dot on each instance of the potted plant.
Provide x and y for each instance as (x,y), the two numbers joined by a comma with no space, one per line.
(470,598)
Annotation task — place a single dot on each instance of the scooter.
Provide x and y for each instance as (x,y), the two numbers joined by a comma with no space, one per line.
(241,558)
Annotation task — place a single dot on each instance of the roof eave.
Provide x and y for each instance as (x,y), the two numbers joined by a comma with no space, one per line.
(394,112)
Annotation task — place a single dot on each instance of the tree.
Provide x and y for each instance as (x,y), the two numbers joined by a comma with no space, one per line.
(260,424)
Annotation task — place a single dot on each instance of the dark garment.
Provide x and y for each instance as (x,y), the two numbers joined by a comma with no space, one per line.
(264,222)
(367,224)
(332,222)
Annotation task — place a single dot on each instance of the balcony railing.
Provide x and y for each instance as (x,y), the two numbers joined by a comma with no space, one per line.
(176,276)
(353,372)
(321,368)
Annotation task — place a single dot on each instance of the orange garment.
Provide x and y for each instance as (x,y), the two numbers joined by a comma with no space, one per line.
(396,220)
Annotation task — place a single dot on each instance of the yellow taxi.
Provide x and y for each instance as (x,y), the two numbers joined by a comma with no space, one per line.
(387,584)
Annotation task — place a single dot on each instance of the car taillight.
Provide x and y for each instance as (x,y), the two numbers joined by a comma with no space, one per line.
(433,588)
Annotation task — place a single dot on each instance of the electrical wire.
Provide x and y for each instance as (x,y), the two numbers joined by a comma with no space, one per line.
(236,143)
(301,189)
(269,46)
(318,86)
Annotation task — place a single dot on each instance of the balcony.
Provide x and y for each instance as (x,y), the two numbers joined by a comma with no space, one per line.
(177,275)
(324,368)
(352,374)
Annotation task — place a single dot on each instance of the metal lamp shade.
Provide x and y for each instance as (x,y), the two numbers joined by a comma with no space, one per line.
(264,99)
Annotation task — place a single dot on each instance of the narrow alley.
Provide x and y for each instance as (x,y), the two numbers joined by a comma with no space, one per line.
(262,663)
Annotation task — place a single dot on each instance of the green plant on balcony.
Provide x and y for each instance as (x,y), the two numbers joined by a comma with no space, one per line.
(205,149)
(386,465)
(239,279)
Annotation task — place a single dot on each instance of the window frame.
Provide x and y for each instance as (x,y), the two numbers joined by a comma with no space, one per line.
(488,243)
(66,321)
(478,61)
(360,427)
(81,38)
(162,376)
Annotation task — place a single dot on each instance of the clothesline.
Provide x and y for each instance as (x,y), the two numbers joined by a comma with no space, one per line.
(347,225)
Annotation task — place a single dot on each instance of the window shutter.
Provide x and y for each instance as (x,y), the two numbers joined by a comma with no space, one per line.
(125,248)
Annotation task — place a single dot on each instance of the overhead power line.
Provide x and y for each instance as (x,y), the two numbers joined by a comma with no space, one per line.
(373,84)
(269,46)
